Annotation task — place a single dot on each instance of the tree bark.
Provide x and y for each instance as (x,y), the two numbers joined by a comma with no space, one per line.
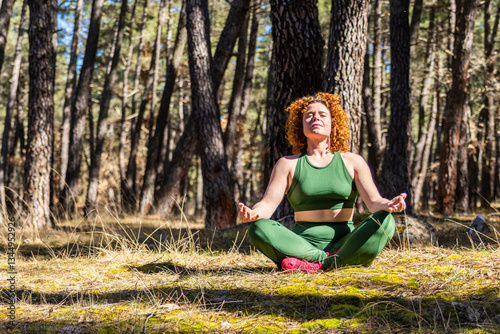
(217,185)
(69,96)
(345,63)
(169,188)
(5,15)
(488,161)
(109,83)
(227,39)
(146,97)
(455,107)
(42,61)
(154,164)
(128,185)
(78,112)
(396,167)
(424,97)
(10,108)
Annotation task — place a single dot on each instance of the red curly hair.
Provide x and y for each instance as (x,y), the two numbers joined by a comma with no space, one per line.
(340,134)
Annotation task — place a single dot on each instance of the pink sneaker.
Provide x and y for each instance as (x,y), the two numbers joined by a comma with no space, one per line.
(293,264)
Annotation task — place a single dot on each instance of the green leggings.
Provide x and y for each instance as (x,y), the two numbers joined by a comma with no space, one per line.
(310,241)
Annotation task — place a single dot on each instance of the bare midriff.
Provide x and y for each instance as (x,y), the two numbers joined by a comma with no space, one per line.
(325,216)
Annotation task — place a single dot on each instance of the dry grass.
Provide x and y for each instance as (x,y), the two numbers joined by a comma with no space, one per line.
(151,276)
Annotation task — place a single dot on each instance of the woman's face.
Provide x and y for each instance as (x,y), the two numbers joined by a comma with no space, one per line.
(317,121)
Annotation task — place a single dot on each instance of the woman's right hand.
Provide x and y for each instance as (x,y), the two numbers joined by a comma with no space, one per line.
(247,214)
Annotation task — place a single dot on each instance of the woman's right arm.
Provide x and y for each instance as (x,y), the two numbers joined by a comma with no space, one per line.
(276,189)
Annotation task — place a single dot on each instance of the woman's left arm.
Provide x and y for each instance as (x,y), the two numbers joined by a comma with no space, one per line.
(368,190)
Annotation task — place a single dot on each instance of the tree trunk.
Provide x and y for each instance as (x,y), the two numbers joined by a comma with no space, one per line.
(462,190)
(415,25)
(217,185)
(375,153)
(95,163)
(69,96)
(125,107)
(396,167)
(158,142)
(10,108)
(424,97)
(236,100)
(128,186)
(169,188)
(238,172)
(419,178)
(5,15)
(455,107)
(146,96)
(78,112)
(42,61)
(345,63)
(298,59)
(488,161)
(227,39)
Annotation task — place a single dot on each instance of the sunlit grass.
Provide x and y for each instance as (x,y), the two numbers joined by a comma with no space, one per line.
(136,275)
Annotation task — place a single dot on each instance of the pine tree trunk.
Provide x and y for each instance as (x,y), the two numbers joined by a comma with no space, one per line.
(298,59)
(169,187)
(396,167)
(235,102)
(158,142)
(5,14)
(147,95)
(69,96)
(345,62)
(43,26)
(217,185)
(227,39)
(462,189)
(424,97)
(488,161)
(128,186)
(455,107)
(10,108)
(95,163)
(125,107)
(79,110)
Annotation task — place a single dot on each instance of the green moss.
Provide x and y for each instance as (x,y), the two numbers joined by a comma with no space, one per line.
(386,279)
(119,270)
(300,290)
(343,310)
(413,284)
(322,323)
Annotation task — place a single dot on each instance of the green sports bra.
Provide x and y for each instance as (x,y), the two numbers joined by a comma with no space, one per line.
(319,188)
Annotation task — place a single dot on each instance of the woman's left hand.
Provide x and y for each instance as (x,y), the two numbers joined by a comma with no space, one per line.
(397,204)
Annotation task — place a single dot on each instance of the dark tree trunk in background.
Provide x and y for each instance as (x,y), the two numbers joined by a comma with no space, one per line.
(297,70)
(396,167)
(217,185)
(488,113)
(462,190)
(455,107)
(128,186)
(42,61)
(5,15)
(227,39)
(147,95)
(69,96)
(170,187)
(423,100)
(10,109)
(79,110)
(102,128)
(345,62)
(154,164)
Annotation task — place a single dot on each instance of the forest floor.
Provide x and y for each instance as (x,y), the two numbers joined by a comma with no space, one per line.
(147,275)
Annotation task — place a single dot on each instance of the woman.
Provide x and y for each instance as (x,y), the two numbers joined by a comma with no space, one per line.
(322,181)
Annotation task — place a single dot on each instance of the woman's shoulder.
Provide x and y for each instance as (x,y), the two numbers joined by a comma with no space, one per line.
(353,159)
(288,161)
